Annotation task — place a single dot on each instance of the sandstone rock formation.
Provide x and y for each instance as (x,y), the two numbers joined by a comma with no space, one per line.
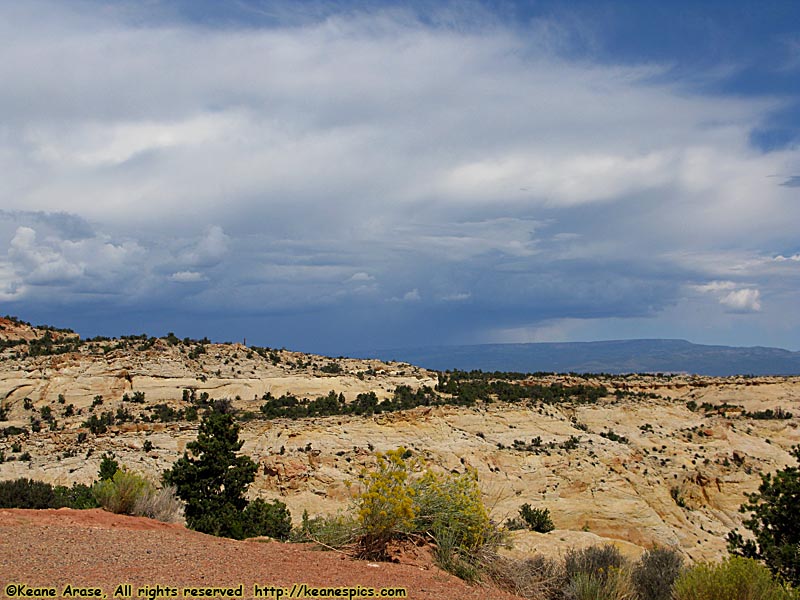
(639,467)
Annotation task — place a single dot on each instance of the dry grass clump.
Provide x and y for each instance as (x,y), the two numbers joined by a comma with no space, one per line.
(340,531)
(129,493)
(162,505)
(594,573)
(536,577)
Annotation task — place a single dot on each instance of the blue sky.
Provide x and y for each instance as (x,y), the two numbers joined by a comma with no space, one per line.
(346,176)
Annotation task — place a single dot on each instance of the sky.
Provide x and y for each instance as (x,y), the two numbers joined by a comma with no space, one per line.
(337,177)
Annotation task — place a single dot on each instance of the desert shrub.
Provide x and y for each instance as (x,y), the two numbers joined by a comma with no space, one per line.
(450,555)
(398,500)
(12,430)
(160,504)
(332,368)
(386,506)
(164,413)
(29,493)
(99,424)
(596,561)
(614,437)
(611,585)
(655,572)
(452,504)
(537,519)
(332,531)
(515,524)
(120,493)
(78,496)
(224,521)
(264,518)
(26,493)
(736,578)
(534,577)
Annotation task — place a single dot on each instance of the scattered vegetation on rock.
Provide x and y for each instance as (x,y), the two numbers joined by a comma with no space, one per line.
(537,519)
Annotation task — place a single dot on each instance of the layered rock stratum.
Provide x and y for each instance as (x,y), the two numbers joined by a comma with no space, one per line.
(662,460)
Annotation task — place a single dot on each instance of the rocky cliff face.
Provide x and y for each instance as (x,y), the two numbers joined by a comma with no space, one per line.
(639,466)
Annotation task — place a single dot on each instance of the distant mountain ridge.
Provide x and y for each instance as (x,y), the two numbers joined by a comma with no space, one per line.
(618,356)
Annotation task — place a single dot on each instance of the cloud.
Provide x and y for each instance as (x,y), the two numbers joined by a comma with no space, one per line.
(153,135)
(458,297)
(209,251)
(792,182)
(102,145)
(88,263)
(40,264)
(188,277)
(409,296)
(733,296)
(716,286)
(436,154)
(745,300)
(360,277)
(61,256)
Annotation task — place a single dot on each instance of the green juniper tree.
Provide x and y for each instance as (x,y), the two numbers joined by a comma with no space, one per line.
(108,467)
(774,523)
(213,481)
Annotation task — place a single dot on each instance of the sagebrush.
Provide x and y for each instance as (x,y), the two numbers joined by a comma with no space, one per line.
(735,578)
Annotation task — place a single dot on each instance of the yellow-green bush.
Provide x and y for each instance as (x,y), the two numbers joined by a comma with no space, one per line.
(386,506)
(120,493)
(451,502)
(398,498)
(736,578)
(129,493)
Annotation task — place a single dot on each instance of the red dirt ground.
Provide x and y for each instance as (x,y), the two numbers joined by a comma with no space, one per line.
(53,548)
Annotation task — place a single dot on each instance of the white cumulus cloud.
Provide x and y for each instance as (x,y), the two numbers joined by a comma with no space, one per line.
(744,300)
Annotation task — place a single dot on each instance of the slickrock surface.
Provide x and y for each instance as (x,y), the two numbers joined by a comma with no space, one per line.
(678,477)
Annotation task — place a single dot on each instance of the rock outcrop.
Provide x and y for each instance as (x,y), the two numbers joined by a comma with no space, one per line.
(639,466)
